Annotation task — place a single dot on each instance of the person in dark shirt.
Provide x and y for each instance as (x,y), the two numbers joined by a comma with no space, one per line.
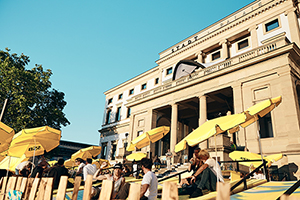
(38,170)
(58,171)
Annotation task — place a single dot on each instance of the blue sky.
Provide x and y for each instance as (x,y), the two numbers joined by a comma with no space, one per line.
(92,46)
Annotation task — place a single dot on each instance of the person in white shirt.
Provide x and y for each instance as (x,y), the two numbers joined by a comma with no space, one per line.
(80,163)
(206,176)
(149,182)
(88,169)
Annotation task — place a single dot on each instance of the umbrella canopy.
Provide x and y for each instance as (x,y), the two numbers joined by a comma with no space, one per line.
(6,135)
(150,136)
(34,141)
(12,162)
(244,155)
(98,163)
(210,128)
(69,163)
(88,152)
(136,156)
(260,109)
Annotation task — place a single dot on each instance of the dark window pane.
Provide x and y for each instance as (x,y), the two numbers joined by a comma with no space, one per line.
(156,80)
(131,91)
(110,101)
(272,25)
(243,44)
(108,116)
(265,125)
(169,70)
(118,115)
(120,96)
(216,55)
(128,112)
(144,86)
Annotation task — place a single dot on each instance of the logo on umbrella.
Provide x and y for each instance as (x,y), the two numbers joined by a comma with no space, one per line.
(34,148)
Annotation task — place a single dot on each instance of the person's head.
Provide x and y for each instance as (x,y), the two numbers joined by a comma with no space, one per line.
(168,150)
(196,151)
(146,163)
(89,160)
(203,155)
(29,165)
(43,164)
(118,169)
(61,161)
(78,161)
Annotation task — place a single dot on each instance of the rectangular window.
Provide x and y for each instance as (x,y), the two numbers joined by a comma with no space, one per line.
(118,114)
(104,150)
(169,71)
(144,86)
(109,101)
(243,44)
(131,91)
(128,112)
(156,81)
(272,25)
(140,133)
(265,126)
(113,152)
(120,96)
(216,55)
(108,113)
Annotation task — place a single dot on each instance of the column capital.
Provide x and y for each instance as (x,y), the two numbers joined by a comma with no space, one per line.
(224,41)
(202,96)
(254,27)
(290,10)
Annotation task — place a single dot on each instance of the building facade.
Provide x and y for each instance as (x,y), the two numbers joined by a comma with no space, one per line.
(248,56)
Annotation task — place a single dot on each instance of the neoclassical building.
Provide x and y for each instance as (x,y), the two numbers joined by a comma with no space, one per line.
(246,57)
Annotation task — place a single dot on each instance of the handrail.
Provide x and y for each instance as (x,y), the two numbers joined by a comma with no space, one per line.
(291,189)
(248,176)
(173,175)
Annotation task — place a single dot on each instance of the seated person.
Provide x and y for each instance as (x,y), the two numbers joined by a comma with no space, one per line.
(116,177)
(80,163)
(26,170)
(126,171)
(206,176)
(194,164)
(157,162)
(149,183)
(58,171)
(39,170)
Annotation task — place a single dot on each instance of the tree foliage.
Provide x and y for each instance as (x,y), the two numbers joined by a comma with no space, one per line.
(31,100)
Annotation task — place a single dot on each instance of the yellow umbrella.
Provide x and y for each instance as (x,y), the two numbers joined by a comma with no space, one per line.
(260,109)
(210,128)
(136,156)
(98,163)
(6,135)
(243,155)
(69,163)
(88,152)
(12,162)
(150,136)
(52,162)
(34,141)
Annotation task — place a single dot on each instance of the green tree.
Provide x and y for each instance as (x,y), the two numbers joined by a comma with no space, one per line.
(31,100)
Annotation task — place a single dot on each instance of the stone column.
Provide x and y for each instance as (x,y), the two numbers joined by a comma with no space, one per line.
(151,124)
(174,122)
(238,108)
(224,53)
(202,110)
(294,25)
(200,57)
(253,34)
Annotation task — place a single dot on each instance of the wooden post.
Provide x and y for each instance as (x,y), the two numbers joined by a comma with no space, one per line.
(45,189)
(170,191)
(19,182)
(76,187)
(134,191)
(28,188)
(88,188)
(34,188)
(4,183)
(108,187)
(61,192)
(11,183)
(223,191)
(23,185)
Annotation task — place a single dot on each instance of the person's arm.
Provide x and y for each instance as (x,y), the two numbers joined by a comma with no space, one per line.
(144,189)
(199,171)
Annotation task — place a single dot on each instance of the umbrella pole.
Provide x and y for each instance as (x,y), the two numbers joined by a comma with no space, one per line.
(8,166)
(33,154)
(2,112)
(218,175)
(260,149)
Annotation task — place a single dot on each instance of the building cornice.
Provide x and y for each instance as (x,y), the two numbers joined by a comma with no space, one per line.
(218,28)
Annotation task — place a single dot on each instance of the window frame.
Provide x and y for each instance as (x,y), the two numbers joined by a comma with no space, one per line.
(120,96)
(118,114)
(168,71)
(156,81)
(109,101)
(108,116)
(130,91)
(142,86)
(269,21)
(240,41)
(217,52)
